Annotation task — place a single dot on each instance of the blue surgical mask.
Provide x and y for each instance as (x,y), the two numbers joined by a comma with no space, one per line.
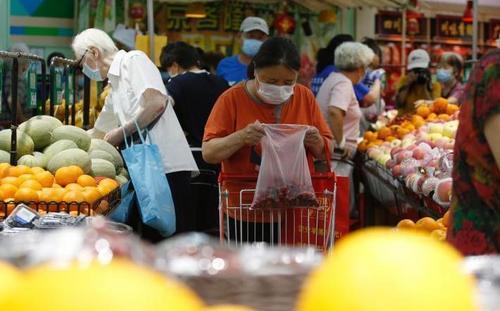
(93,74)
(251,47)
(444,75)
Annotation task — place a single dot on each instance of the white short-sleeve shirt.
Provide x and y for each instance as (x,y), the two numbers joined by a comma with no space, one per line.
(130,74)
(337,91)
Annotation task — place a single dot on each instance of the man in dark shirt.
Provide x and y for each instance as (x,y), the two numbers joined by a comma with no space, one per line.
(195,92)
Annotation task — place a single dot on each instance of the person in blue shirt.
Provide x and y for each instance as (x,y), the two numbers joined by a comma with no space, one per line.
(253,31)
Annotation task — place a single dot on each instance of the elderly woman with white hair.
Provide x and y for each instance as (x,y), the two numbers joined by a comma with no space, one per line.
(340,107)
(138,96)
(337,99)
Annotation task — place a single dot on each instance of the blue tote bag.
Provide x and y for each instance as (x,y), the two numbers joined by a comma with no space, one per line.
(147,174)
(122,211)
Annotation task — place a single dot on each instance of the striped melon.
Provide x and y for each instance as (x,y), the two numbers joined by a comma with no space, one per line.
(124,173)
(103,168)
(73,133)
(25,144)
(69,157)
(100,154)
(57,147)
(36,160)
(40,128)
(4,157)
(99,144)
(121,179)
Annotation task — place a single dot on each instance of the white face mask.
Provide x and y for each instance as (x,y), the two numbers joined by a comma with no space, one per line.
(274,94)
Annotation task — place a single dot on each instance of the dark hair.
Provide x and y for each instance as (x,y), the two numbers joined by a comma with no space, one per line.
(273,52)
(52,55)
(373,45)
(211,60)
(181,53)
(326,56)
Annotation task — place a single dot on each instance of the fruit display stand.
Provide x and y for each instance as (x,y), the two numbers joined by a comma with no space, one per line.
(406,160)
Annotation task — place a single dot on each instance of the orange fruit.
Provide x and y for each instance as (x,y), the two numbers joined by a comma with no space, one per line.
(56,186)
(451,109)
(446,219)
(370,136)
(440,104)
(16,171)
(50,195)
(444,117)
(4,169)
(384,132)
(402,132)
(45,178)
(111,182)
(427,224)
(26,195)
(25,177)
(363,146)
(409,126)
(439,234)
(11,180)
(432,117)
(417,121)
(36,170)
(74,186)
(74,198)
(8,190)
(406,224)
(32,184)
(423,111)
(91,194)
(67,175)
(86,181)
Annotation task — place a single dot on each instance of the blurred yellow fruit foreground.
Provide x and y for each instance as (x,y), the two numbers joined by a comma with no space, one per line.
(380,269)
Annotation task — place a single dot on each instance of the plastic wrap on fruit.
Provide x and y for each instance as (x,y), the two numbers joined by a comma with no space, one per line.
(196,254)
(409,166)
(429,185)
(97,240)
(443,192)
(446,162)
(290,196)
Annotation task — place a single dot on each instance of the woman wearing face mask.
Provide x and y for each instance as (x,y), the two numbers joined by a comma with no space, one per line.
(271,95)
(138,96)
(449,75)
(253,31)
(340,107)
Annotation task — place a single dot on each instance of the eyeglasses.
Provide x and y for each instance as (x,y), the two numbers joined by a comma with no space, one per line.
(79,63)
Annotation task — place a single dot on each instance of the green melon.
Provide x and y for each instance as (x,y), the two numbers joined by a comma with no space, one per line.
(100,154)
(103,168)
(36,160)
(57,147)
(69,157)
(4,157)
(25,144)
(99,144)
(40,128)
(73,133)
(121,179)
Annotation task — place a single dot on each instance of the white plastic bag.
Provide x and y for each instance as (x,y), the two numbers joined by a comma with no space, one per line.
(284,179)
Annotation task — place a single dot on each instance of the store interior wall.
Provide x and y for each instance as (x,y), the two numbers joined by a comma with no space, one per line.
(4,24)
(365,22)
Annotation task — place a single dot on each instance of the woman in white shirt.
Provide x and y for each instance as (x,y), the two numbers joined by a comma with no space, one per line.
(138,95)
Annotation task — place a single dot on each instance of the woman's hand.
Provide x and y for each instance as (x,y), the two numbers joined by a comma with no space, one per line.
(252,134)
(315,143)
(114,137)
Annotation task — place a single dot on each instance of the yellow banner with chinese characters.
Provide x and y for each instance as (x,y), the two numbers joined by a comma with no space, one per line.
(142,44)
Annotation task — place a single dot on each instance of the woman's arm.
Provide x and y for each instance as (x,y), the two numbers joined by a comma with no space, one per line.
(217,150)
(336,122)
(372,96)
(491,129)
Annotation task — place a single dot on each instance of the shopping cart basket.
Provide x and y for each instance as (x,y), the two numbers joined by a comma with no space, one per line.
(296,225)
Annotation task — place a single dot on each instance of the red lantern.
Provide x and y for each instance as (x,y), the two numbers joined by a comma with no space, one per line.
(136,11)
(284,24)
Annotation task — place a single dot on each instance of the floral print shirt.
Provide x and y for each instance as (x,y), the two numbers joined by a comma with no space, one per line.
(475,213)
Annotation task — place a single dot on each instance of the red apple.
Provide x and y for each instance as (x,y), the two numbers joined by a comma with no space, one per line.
(396,170)
(418,153)
(443,190)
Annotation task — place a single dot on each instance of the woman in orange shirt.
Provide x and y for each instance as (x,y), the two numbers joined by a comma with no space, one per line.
(270,95)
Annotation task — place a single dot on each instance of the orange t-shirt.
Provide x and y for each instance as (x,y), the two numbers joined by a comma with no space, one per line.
(235,109)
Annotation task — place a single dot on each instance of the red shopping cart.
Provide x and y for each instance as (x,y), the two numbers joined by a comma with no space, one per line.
(292,225)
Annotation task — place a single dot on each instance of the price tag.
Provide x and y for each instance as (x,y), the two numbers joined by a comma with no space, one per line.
(24,216)
(31,83)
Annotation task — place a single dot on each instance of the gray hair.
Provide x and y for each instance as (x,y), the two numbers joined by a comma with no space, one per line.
(350,56)
(93,38)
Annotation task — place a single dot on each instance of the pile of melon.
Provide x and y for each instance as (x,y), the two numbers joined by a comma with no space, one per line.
(43,141)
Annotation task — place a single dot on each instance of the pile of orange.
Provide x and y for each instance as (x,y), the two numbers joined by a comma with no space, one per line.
(436,228)
(38,186)
(439,110)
